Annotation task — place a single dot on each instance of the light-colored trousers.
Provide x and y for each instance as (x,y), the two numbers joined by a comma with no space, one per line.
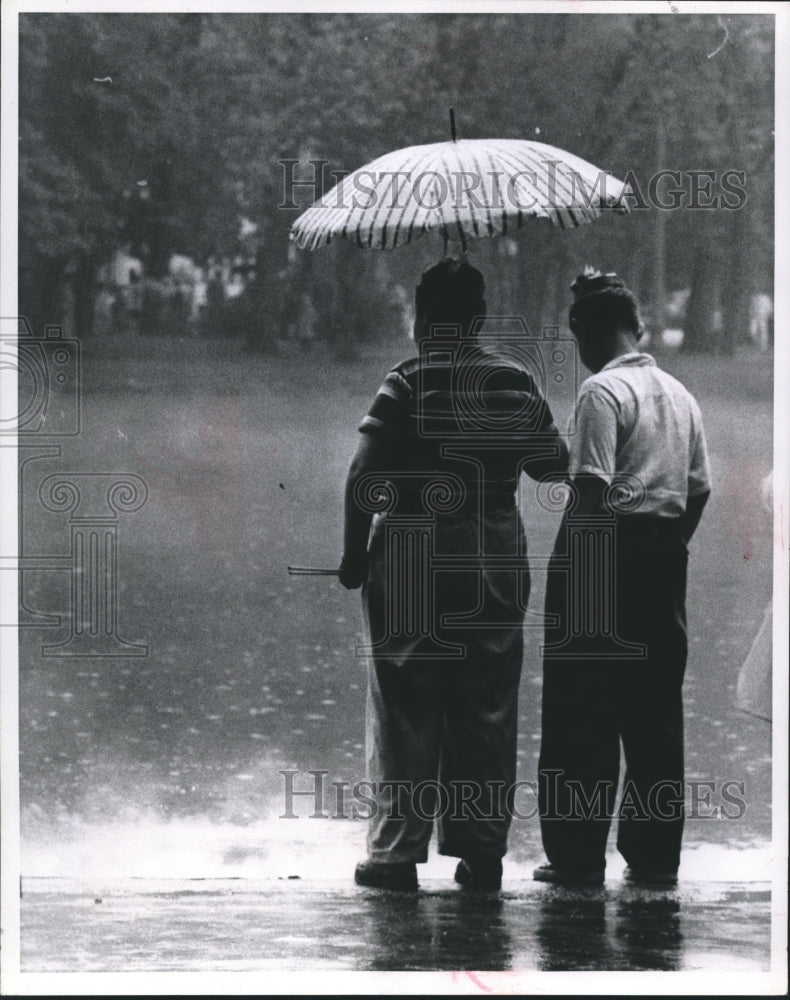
(441,732)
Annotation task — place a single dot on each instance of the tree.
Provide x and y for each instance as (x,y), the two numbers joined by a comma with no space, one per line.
(163,131)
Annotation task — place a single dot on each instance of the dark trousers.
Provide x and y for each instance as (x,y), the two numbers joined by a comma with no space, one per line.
(619,679)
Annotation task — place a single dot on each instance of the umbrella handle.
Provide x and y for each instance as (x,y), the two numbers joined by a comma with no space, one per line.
(463,240)
(311,571)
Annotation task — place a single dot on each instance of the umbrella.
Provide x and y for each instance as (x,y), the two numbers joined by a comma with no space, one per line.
(465,189)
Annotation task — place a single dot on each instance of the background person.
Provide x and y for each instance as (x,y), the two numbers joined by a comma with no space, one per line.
(447,721)
(753,692)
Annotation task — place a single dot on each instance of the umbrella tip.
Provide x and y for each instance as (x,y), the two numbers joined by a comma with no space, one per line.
(452,124)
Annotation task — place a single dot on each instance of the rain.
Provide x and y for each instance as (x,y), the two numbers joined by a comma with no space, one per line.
(227,370)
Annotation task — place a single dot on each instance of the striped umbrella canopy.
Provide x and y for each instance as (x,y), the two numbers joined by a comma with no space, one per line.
(464,189)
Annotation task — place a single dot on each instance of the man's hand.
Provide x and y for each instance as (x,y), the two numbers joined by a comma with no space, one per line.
(587,496)
(694,507)
(353,571)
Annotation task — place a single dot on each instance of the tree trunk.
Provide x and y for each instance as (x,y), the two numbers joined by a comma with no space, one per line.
(84,291)
(699,335)
(41,293)
(738,272)
(659,290)
(738,263)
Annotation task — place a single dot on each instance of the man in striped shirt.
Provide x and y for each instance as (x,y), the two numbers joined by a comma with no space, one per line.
(433,532)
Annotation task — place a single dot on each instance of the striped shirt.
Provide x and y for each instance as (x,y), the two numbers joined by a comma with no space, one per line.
(467,402)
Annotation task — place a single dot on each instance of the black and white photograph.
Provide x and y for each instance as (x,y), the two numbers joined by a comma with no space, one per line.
(395,484)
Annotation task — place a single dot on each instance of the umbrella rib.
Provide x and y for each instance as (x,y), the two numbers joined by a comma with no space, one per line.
(585,212)
(407,168)
(471,206)
(309,239)
(301,233)
(420,153)
(425,225)
(370,168)
(490,223)
(529,156)
(508,157)
(344,230)
(578,165)
(371,225)
(411,224)
(444,168)
(321,229)
(350,217)
(503,226)
(324,215)
(322,232)
(322,226)
(568,187)
(458,223)
(413,219)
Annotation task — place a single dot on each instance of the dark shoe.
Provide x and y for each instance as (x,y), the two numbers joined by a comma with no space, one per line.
(566,876)
(400,877)
(480,876)
(640,876)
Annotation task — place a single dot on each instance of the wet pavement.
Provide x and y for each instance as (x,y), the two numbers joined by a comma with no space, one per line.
(169,766)
(290,924)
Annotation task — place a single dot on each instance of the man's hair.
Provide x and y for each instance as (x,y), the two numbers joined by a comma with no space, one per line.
(452,293)
(602,302)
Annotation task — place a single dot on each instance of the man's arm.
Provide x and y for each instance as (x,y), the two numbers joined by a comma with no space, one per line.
(694,508)
(698,487)
(545,452)
(592,462)
(373,454)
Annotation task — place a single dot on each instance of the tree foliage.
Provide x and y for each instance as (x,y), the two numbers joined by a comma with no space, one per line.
(162,131)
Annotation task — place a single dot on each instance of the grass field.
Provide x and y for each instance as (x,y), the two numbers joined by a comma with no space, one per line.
(250,671)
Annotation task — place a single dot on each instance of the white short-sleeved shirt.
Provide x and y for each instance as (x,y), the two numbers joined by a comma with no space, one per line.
(632,419)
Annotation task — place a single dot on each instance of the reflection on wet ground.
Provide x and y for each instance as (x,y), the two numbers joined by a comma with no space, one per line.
(635,931)
(291,924)
(437,931)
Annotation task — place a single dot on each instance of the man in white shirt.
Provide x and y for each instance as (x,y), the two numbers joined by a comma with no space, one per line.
(616,646)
